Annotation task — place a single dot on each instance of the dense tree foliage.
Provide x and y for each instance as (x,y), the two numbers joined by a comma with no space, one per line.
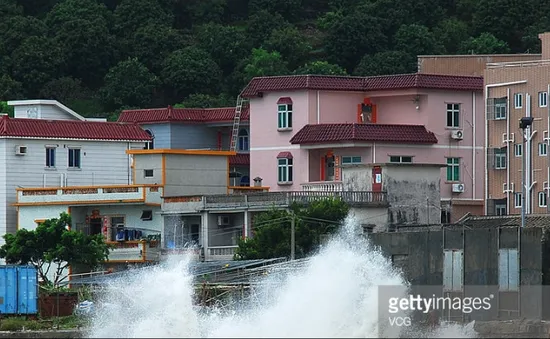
(272,230)
(98,56)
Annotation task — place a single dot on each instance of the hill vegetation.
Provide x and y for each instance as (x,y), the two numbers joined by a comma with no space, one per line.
(99,56)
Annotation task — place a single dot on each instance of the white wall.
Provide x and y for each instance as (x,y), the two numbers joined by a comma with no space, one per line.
(102,163)
(47,112)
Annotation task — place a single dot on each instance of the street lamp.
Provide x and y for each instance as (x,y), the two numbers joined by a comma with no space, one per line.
(524,123)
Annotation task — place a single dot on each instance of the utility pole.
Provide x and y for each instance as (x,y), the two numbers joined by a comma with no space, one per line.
(292,237)
(524,125)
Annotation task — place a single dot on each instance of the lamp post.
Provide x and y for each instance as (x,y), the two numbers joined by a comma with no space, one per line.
(524,123)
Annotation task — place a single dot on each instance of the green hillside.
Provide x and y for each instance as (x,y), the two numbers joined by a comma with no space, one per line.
(100,56)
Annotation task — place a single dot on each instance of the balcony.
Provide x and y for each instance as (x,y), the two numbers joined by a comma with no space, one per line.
(270,199)
(86,195)
(323,186)
(134,251)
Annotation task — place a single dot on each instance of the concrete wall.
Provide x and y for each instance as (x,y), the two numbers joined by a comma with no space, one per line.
(413,199)
(420,255)
(193,137)
(226,235)
(144,162)
(46,112)
(196,174)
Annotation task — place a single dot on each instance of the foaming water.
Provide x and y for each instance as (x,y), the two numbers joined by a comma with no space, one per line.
(335,294)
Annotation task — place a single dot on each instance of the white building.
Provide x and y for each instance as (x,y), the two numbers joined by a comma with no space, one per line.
(48,145)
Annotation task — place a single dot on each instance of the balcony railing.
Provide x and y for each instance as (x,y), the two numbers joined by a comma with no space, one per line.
(221,252)
(134,251)
(354,198)
(90,194)
(323,186)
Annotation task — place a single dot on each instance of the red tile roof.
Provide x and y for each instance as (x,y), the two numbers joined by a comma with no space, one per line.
(70,129)
(406,134)
(188,115)
(284,155)
(361,84)
(239,159)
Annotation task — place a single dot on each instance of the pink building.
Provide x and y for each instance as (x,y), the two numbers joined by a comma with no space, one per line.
(304,127)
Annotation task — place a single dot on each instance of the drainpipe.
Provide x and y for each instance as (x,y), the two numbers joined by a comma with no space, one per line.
(487,134)
(318,109)
(508,150)
(374,153)
(474,145)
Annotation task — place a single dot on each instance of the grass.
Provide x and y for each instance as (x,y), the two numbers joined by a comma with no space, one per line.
(60,323)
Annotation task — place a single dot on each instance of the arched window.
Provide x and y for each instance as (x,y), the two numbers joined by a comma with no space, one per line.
(150,144)
(243,140)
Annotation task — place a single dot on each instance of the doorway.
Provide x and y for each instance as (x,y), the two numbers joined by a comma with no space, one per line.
(329,168)
(95,226)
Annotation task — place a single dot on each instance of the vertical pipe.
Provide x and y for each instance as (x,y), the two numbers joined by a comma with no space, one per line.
(528,156)
(474,172)
(318,109)
(486,197)
(508,151)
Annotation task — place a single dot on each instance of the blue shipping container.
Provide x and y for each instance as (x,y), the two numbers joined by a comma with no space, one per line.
(18,290)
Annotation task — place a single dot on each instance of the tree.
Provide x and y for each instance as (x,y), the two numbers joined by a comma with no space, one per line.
(272,231)
(186,70)
(130,15)
(36,61)
(417,40)
(287,8)
(292,45)
(388,62)
(5,108)
(53,245)
(227,45)
(322,68)
(206,101)
(264,63)
(261,24)
(14,30)
(63,89)
(485,43)
(152,43)
(452,32)
(129,83)
(10,89)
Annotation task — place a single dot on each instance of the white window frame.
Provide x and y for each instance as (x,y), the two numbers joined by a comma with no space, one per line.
(518,199)
(452,109)
(500,109)
(543,99)
(243,139)
(543,149)
(284,116)
(500,207)
(518,150)
(284,170)
(500,160)
(400,159)
(543,199)
(150,144)
(451,163)
(349,160)
(518,100)
(74,149)
(53,158)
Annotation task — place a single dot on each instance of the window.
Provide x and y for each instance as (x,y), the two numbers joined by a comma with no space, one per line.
(150,144)
(74,157)
(351,160)
(543,99)
(543,149)
(285,170)
(453,115)
(508,269)
(542,199)
(453,266)
(147,215)
(518,199)
(518,100)
(500,108)
(500,159)
(50,157)
(243,140)
(401,159)
(453,169)
(284,116)
(148,173)
(500,209)
(518,150)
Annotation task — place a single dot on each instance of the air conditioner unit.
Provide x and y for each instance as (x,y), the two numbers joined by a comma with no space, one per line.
(458,188)
(223,220)
(457,135)
(20,150)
